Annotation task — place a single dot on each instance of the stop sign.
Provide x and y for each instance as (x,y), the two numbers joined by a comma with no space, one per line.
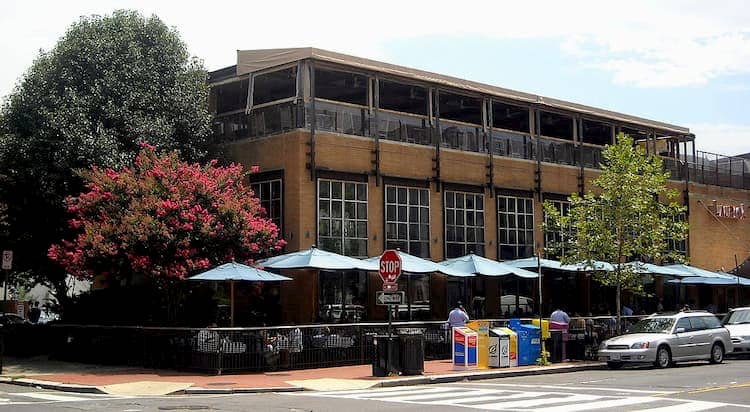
(390,266)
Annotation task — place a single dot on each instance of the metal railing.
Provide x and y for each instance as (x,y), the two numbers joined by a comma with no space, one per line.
(259,349)
(705,167)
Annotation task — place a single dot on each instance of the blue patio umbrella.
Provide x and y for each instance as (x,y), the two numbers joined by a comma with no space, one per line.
(479,265)
(652,269)
(417,265)
(724,279)
(695,271)
(315,258)
(533,262)
(234,271)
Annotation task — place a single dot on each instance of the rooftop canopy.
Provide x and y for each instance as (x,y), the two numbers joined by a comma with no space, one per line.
(250,61)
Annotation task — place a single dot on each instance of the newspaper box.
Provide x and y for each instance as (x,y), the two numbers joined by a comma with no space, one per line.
(499,349)
(464,348)
(512,346)
(482,328)
(529,342)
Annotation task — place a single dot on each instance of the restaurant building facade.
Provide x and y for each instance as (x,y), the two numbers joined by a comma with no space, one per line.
(358,156)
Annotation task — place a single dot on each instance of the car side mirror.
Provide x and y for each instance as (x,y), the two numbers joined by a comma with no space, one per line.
(679,330)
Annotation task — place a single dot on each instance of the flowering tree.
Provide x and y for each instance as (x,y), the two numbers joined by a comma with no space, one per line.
(163,219)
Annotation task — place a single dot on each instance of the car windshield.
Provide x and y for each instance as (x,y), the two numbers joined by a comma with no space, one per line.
(737,317)
(653,325)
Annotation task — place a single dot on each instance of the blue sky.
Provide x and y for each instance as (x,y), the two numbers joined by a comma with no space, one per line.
(682,62)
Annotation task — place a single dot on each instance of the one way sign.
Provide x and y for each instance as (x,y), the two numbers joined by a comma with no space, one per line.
(389,298)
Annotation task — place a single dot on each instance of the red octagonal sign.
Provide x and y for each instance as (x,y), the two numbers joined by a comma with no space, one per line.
(390,266)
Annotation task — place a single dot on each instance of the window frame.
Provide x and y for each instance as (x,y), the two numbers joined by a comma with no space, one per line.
(270,181)
(516,229)
(342,219)
(251,89)
(466,244)
(408,206)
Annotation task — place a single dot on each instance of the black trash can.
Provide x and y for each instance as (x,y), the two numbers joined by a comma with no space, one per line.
(385,359)
(412,352)
(555,346)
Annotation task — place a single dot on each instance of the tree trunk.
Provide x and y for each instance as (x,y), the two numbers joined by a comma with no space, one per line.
(617,303)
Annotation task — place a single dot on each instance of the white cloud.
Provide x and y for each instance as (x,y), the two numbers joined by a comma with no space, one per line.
(644,43)
(727,139)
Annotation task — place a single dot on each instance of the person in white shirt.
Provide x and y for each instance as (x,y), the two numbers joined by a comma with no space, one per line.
(458,317)
(559,316)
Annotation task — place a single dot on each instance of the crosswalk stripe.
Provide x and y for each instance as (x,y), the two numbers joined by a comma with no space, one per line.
(52,397)
(467,394)
(470,402)
(369,390)
(536,402)
(602,404)
(379,395)
(578,388)
(692,406)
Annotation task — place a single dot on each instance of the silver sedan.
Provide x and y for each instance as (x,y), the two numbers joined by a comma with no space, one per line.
(665,339)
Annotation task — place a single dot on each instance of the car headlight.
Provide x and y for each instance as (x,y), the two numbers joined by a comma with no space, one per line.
(639,345)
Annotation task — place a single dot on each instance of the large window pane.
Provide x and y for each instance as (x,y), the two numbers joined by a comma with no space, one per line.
(407,211)
(269,193)
(460,108)
(464,233)
(556,125)
(230,96)
(278,85)
(342,296)
(515,217)
(596,133)
(509,117)
(556,241)
(403,97)
(341,86)
(345,203)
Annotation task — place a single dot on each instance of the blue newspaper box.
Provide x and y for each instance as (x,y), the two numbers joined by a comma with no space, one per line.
(529,342)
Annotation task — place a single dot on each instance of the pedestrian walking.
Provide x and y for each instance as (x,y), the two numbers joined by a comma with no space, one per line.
(458,316)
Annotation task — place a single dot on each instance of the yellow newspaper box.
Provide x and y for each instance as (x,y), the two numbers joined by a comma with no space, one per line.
(545,327)
(482,328)
(513,347)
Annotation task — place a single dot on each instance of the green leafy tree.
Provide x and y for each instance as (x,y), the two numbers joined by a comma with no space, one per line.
(629,216)
(108,83)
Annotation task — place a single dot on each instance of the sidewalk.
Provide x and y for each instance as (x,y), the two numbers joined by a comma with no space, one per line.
(75,377)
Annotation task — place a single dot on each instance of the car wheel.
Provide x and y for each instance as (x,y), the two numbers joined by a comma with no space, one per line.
(614,365)
(663,357)
(717,353)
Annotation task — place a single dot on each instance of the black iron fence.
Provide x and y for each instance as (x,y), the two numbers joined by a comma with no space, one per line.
(259,349)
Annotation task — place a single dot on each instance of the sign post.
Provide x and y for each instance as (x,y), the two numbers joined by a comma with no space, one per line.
(7,266)
(389,270)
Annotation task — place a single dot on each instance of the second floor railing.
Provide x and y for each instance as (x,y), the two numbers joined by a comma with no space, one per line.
(705,168)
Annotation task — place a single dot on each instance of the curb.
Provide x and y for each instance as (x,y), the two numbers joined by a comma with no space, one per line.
(410,381)
(229,391)
(57,386)
(481,375)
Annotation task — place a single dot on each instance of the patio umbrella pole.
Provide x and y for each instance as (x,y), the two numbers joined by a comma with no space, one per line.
(543,354)
(231,302)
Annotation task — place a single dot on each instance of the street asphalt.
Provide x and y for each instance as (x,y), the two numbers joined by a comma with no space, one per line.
(688,387)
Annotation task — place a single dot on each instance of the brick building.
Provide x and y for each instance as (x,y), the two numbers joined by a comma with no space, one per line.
(357,156)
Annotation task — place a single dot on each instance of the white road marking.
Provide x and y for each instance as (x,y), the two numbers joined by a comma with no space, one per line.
(604,404)
(450,394)
(507,397)
(692,406)
(499,406)
(576,388)
(52,396)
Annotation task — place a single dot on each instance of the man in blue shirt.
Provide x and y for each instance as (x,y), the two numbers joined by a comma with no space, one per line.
(458,316)
(559,316)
